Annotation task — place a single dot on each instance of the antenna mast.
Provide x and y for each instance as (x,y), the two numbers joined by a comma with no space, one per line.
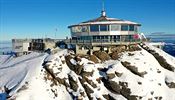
(103,5)
(103,13)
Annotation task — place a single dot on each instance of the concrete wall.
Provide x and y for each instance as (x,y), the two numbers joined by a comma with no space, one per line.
(50,45)
(80,50)
(25,47)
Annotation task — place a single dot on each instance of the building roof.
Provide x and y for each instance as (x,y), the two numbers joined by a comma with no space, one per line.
(105,20)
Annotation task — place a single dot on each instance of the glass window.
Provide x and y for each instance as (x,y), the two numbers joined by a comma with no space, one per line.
(136,28)
(94,28)
(102,37)
(84,28)
(124,28)
(106,37)
(73,29)
(98,37)
(131,27)
(76,29)
(103,27)
(115,27)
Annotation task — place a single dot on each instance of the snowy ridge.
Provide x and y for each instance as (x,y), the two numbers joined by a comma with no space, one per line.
(63,75)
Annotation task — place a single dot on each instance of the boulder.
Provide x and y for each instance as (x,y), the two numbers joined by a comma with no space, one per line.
(88,91)
(108,97)
(114,55)
(118,49)
(110,75)
(103,56)
(118,74)
(170,84)
(90,82)
(76,68)
(73,84)
(86,74)
(134,48)
(93,58)
(133,69)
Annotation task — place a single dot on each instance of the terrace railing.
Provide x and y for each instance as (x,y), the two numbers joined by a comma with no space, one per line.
(103,41)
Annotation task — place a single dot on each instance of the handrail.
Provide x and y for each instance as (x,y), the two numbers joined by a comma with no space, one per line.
(100,41)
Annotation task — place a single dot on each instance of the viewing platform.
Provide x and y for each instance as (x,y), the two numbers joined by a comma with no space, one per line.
(101,42)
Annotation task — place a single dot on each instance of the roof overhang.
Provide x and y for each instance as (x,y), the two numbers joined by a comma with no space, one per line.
(106,21)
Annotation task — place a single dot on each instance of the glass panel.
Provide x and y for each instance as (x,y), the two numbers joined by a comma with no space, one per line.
(115,27)
(84,28)
(98,37)
(94,28)
(131,27)
(136,28)
(76,29)
(106,37)
(103,28)
(94,37)
(124,28)
(102,37)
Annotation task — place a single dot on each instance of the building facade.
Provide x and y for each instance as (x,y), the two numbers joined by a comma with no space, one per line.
(21,46)
(105,29)
(103,32)
(25,46)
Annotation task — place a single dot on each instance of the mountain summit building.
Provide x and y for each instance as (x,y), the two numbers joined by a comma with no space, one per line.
(104,32)
(105,29)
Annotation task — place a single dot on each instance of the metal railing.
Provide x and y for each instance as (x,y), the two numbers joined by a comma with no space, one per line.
(102,41)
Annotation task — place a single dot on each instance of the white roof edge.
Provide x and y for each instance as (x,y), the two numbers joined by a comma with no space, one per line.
(107,22)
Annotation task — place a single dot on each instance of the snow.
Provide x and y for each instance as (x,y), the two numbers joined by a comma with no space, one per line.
(27,71)
(39,89)
(88,68)
(14,72)
(170,59)
(5,58)
(147,85)
(26,77)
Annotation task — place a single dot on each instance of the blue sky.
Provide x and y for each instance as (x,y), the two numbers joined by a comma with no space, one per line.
(40,18)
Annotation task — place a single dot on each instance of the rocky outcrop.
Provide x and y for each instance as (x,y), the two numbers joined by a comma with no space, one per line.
(88,78)
(76,68)
(162,61)
(132,48)
(118,49)
(103,56)
(114,55)
(119,88)
(170,84)
(133,69)
(73,83)
(94,59)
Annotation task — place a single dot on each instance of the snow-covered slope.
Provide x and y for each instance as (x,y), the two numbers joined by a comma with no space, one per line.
(135,75)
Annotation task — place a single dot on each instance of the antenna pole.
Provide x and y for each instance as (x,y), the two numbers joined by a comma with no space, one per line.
(103,5)
(103,13)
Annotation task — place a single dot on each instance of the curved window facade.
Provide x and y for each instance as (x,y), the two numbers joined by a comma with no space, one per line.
(84,28)
(77,29)
(94,28)
(104,27)
(124,27)
(131,27)
(115,27)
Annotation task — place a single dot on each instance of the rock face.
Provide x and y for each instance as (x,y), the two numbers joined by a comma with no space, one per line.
(118,49)
(103,56)
(128,73)
(160,59)
(94,59)
(119,77)
(133,69)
